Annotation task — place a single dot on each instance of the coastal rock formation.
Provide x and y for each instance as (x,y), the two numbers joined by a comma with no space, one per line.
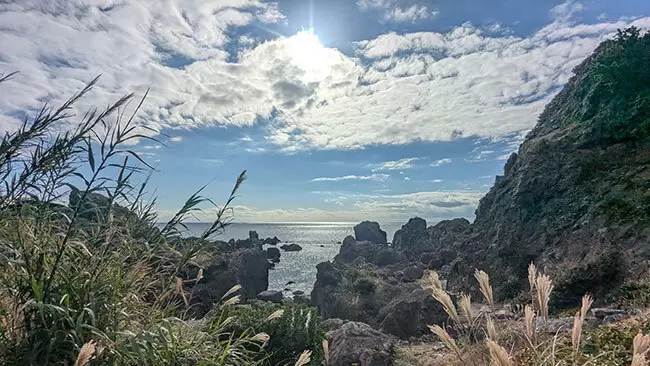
(355,343)
(271,296)
(223,270)
(370,231)
(291,247)
(575,198)
(361,285)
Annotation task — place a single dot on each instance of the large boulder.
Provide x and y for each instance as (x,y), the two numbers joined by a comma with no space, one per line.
(408,315)
(246,267)
(273,254)
(370,231)
(271,296)
(356,343)
(412,236)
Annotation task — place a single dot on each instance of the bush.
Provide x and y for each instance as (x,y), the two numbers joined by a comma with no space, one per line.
(620,98)
(297,329)
(97,279)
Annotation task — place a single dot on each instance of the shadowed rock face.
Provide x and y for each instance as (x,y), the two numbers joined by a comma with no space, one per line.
(369,231)
(575,199)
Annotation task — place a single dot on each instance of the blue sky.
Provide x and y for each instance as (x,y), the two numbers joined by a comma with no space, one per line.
(340,110)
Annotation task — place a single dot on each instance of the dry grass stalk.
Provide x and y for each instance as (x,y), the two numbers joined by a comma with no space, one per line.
(578,321)
(231,291)
(305,358)
(326,351)
(491,329)
(641,344)
(275,315)
(232,301)
(484,284)
(433,280)
(639,360)
(262,338)
(543,288)
(465,306)
(529,323)
(445,300)
(498,355)
(532,275)
(446,339)
(86,353)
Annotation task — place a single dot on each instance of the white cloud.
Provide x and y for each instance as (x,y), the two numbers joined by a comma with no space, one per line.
(401,164)
(397,11)
(373,177)
(441,162)
(401,88)
(433,206)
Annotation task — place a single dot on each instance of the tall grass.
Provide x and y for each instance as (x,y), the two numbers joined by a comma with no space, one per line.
(96,281)
(534,344)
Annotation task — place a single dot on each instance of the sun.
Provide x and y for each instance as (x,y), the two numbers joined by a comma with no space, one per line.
(307,53)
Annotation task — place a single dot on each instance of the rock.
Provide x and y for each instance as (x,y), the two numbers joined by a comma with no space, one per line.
(402,318)
(252,235)
(291,247)
(409,314)
(273,254)
(412,273)
(356,343)
(370,231)
(246,267)
(289,283)
(331,324)
(270,295)
(413,236)
(602,313)
(298,293)
(272,241)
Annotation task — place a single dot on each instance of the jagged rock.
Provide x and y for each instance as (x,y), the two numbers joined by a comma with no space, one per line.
(272,241)
(291,247)
(408,315)
(270,295)
(273,254)
(252,235)
(370,231)
(246,267)
(355,343)
(412,236)
(574,199)
(331,324)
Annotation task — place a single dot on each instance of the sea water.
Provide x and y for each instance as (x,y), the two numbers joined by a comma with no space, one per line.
(320,242)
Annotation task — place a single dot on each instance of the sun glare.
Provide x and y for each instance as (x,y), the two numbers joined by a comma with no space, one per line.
(308,53)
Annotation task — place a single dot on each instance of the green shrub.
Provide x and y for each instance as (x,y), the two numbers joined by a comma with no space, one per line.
(619,101)
(98,271)
(298,329)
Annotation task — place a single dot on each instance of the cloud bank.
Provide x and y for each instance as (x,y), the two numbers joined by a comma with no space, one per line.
(397,89)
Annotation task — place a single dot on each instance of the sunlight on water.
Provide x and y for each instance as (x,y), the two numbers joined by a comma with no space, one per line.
(320,242)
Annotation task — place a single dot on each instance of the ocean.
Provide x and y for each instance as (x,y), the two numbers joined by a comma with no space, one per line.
(319,242)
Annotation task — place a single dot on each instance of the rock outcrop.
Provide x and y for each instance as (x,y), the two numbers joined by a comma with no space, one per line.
(575,198)
(355,343)
(378,285)
(370,231)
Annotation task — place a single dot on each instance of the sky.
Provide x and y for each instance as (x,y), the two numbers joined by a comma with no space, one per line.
(340,110)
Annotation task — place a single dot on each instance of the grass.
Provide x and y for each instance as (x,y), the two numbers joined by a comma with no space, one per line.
(97,281)
(478,340)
